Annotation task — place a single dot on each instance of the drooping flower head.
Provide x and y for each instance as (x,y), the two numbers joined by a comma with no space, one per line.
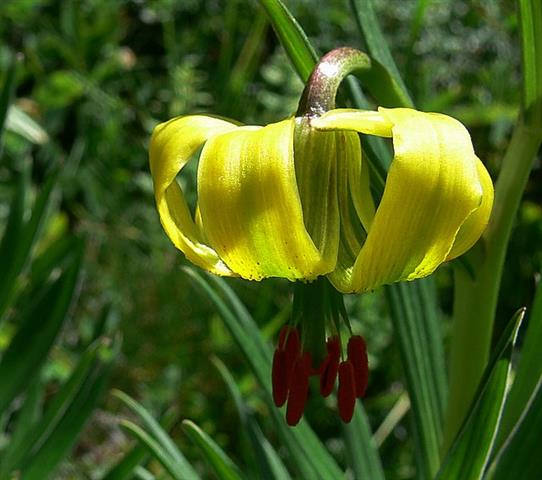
(292,199)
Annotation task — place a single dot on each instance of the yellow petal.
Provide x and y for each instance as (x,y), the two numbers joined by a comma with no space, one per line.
(476,223)
(362,121)
(356,209)
(172,145)
(432,187)
(250,206)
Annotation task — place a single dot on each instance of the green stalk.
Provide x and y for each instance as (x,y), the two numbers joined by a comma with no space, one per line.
(476,296)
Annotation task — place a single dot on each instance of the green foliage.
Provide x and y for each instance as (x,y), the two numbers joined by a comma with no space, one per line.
(91,80)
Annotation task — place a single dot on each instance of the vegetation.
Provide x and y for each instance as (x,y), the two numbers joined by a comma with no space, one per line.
(97,308)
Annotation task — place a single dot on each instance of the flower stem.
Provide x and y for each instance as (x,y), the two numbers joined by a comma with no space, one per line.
(475,301)
(321,88)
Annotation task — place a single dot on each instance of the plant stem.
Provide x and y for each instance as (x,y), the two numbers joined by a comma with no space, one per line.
(475,301)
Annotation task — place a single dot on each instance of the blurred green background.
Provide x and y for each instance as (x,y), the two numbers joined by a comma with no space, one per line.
(97,75)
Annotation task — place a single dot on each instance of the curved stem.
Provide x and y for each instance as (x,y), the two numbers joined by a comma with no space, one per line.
(321,89)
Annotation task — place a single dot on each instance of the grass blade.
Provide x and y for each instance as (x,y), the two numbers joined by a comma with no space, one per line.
(27,351)
(416,324)
(21,447)
(375,41)
(365,461)
(292,37)
(179,471)
(6,96)
(528,372)
(124,470)
(530,20)
(269,464)
(222,465)
(158,436)
(62,436)
(18,248)
(520,455)
(25,422)
(470,451)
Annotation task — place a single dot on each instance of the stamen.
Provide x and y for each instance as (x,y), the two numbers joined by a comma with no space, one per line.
(357,355)
(299,389)
(279,378)
(284,359)
(329,367)
(346,392)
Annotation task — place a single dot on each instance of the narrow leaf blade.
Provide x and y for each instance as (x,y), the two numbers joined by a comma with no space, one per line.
(222,465)
(469,454)
(157,434)
(292,37)
(27,351)
(520,456)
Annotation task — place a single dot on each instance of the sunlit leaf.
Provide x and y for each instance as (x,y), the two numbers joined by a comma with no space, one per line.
(469,454)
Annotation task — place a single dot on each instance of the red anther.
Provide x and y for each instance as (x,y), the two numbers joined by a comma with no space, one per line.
(346,392)
(357,354)
(279,378)
(333,346)
(299,389)
(330,366)
(292,350)
(328,374)
(289,339)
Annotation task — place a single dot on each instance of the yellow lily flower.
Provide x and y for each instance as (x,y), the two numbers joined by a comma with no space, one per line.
(292,199)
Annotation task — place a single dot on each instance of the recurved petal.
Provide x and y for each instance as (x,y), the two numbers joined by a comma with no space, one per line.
(250,207)
(476,223)
(362,121)
(172,145)
(432,187)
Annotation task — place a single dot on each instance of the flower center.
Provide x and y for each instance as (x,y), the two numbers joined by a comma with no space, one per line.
(306,352)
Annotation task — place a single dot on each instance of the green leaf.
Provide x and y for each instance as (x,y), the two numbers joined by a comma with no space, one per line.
(520,455)
(25,446)
(27,351)
(268,462)
(416,322)
(16,247)
(469,454)
(13,232)
(6,95)
(222,465)
(376,43)
(309,456)
(24,424)
(528,371)
(65,426)
(143,474)
(530,20)
(130,463)
(124,470)
(361,448)
(292,37)
(179,471)
(159,438)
